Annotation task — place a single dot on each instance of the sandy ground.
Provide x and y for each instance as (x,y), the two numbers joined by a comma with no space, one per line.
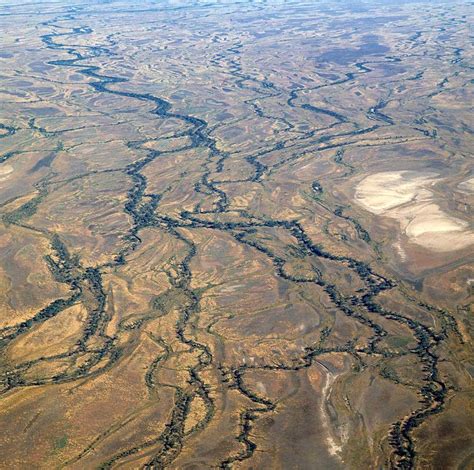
(467,186)
(5,172)
(406,196)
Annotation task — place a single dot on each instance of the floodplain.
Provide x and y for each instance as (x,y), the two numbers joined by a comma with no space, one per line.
(236,235)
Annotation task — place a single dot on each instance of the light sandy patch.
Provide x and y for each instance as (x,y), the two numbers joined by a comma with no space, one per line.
(467,186)
(401,252)
(261,388)
(335,445)
(406,197)
(427,225)
(334,448)
(382,191)
(5,172)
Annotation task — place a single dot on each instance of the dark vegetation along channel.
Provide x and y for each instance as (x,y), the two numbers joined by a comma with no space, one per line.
(86,285)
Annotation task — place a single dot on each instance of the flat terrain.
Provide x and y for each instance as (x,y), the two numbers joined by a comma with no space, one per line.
(236,235)
(406,197)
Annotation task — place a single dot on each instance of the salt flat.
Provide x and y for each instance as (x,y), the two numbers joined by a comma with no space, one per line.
(406,196)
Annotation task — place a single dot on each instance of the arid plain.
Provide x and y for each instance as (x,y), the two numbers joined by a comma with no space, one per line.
(236,235)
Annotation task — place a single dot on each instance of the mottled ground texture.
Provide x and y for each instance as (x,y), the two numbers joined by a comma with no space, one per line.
(236,235)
